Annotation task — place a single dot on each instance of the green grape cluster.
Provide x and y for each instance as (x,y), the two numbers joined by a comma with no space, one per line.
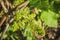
(26,22)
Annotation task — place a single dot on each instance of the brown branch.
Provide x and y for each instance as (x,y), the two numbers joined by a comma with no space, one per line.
(7,25)
(4,31)
(2,21)
(9,4)
(37,35)
(3,6)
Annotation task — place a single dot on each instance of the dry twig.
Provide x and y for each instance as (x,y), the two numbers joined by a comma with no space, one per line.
(2,21)
(3,6)
(22,5)
(7,25)
(9,4)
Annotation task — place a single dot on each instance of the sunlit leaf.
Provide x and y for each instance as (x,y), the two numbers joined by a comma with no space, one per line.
(49,18)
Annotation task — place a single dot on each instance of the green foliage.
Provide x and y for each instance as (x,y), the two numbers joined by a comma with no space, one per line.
(12,36)
(49,18)
(42,4)
(16,2)
(28,33)
(14,27)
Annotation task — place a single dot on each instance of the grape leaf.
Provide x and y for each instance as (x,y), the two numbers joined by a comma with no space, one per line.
(49,18)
